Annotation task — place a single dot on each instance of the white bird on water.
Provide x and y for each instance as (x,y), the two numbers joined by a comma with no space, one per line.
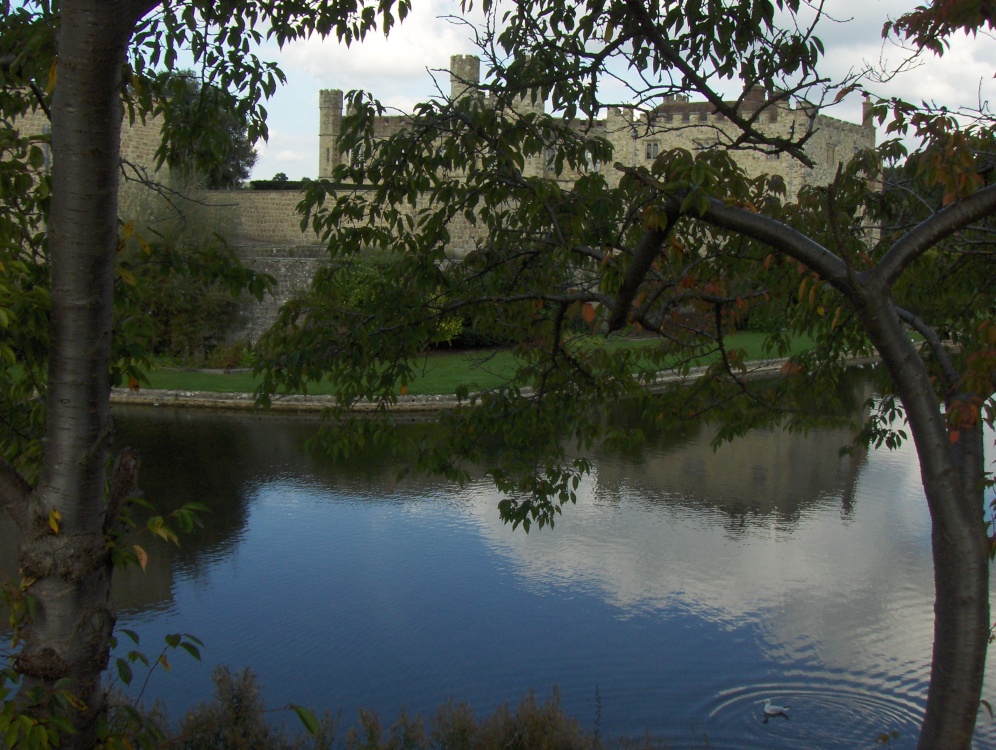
(771,710)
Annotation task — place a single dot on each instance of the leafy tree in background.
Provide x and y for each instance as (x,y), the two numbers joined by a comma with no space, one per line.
(177,272)
(684,250)
(59,350)
(207,134)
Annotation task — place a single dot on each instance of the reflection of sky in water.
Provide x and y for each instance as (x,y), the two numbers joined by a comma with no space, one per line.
(792,575)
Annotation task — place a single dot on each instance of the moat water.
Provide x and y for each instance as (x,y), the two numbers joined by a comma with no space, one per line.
(684,588)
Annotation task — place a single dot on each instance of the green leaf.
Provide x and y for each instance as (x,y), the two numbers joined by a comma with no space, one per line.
(124,671)
(307,718)
(131,634)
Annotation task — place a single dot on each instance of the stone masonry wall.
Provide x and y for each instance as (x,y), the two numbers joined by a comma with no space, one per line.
(639,136)
(264,228)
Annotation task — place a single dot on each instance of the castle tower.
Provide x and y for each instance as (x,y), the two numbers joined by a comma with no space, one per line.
(868,114)
(465,75)
(329,127)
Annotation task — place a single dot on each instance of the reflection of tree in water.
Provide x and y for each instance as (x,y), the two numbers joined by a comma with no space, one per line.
(764,476)
(220,459)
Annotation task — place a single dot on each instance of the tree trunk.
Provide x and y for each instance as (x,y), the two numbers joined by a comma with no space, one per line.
(69,634)
(951,466)
(951,462)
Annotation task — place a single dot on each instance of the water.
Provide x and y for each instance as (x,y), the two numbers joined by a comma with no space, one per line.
(683,589)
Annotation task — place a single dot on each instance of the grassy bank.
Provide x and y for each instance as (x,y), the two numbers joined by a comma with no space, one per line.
(439,373)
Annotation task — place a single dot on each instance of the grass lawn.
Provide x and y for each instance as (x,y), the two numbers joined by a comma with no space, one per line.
(440,373)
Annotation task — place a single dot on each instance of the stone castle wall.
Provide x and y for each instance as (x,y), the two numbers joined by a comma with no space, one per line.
(638,136)
(264,228)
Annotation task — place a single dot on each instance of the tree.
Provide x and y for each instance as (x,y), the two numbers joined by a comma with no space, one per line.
(208,136)
(684,250)
(60,350)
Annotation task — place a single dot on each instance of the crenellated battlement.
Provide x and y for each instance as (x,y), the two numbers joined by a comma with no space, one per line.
(639,136)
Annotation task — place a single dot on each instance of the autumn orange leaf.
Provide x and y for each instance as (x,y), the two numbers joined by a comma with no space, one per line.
(142,555)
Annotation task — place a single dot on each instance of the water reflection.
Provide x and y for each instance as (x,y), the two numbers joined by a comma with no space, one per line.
(685,587)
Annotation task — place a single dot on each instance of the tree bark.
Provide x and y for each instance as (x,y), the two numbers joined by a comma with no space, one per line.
(951,467)
(69,569)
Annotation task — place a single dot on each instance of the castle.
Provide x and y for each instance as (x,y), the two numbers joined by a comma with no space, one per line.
(264,228)
(639,136)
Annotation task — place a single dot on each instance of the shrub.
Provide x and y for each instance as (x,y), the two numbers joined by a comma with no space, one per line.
(178,281)
(233,720)
(530,726)
(231,355)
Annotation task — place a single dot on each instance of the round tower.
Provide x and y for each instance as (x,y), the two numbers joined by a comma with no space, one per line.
(329,127)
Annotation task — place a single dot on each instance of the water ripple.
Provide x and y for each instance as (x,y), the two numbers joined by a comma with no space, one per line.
(835,714)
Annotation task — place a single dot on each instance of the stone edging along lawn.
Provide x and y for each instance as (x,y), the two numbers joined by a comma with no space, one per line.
(408,404)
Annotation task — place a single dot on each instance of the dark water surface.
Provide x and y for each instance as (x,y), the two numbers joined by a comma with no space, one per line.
(684,588)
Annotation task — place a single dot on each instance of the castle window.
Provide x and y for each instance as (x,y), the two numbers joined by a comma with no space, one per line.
(703,116)
(357,157)
(653,149)
(328,155)
(773,155)
(686,116)
(831,154)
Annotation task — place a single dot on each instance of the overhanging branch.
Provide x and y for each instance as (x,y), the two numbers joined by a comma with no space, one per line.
(932,230)
(751,224)
(779,237)
(644,254)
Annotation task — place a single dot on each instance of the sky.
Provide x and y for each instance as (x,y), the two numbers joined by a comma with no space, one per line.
(399,71)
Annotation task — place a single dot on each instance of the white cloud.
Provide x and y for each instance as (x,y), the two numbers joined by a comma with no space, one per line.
(389,67)
(667,534)
(288,151)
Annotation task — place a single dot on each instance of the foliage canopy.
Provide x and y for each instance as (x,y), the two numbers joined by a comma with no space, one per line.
(686,249)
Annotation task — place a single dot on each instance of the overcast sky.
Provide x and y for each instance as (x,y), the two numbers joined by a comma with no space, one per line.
(397,71)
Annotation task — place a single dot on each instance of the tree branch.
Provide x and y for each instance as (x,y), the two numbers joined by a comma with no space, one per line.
(644,254)
(747,126)
(933,229)
(777,236)
(757,226)
(40,98)
(141,8)
(936,345)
